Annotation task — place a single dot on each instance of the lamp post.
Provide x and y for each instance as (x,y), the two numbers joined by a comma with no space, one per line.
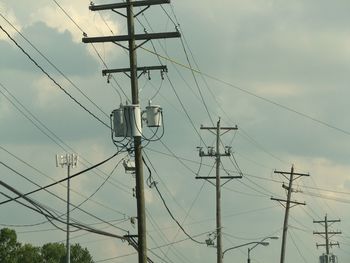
(69,160)
(246,244)
(258,243)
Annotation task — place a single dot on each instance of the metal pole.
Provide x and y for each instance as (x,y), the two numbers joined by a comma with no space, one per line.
(248,255)
(327,238)
(218,196)
(286,215)
(68,208)
(140,198)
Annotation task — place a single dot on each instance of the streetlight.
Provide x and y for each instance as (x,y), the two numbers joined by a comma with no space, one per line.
(70,160)
(246,244)
(259,243)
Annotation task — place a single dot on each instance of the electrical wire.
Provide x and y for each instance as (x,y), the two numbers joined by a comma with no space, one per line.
(62,180)
(38,208)
(153,222)
(53,80)
(43,188)
(192,203)
(96,51)
(45,175)
(296,246)
(154,184)
(306,116)
(53,65)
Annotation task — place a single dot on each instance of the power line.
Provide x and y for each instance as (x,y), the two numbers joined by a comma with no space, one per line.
(296,246)
(53,80)
(252,94)
(45,175)
(38,208)
(96,51)
(167,208)
(57,140)
(60,181)
(52,64)
(44,188)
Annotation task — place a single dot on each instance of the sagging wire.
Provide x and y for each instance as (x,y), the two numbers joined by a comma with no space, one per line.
(153,184)
(52,79)
(39,209)
(62,180)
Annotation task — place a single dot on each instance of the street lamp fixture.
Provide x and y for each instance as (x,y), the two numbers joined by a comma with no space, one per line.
(246,244)
(260,243)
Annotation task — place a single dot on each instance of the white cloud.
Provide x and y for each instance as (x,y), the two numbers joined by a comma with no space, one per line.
(9,14)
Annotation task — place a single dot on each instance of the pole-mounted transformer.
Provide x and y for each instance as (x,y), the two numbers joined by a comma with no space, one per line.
(127,120)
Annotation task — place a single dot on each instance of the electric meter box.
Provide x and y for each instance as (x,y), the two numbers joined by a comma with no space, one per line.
(154,116)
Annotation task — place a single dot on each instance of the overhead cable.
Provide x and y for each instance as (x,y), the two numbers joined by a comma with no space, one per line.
(53,80)
(62,180)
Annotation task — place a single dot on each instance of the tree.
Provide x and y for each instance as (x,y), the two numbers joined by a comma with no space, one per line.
(8,246)
(53,253)
(56,253)
(12,251)
(29,254)
(80,255)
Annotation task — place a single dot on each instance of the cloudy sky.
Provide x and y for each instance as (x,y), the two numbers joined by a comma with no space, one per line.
(277,70)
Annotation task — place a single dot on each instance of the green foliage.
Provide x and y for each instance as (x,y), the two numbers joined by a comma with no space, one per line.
(53,253)
(12,251)
(29,254)
(80,255)
(8,246)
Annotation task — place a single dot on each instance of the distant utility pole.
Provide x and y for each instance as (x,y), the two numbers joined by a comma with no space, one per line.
(287,205)
(327,234)
(69,160)
(217,154)
(132,72)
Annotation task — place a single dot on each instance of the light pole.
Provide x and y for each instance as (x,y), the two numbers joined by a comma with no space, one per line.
(258,243)
(70,160)
(246,244)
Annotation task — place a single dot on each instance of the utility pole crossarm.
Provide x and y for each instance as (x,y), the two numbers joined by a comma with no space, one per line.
(329,221)
(291,202)
(221,128)
(222,177)
(127,4)
(144,69)
(331,244)
(329,233)
(295,175)
(122,38)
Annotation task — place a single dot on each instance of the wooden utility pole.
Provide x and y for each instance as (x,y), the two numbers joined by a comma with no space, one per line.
(217,154)
(287,205)
(131,38)
(327,233)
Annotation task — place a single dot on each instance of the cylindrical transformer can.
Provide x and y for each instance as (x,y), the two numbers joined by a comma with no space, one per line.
(132,118)
(154,116)
(119,128)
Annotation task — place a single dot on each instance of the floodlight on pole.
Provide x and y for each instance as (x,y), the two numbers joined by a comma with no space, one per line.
(69,160)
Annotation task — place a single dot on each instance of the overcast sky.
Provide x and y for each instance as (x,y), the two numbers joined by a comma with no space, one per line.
(277,70)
